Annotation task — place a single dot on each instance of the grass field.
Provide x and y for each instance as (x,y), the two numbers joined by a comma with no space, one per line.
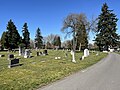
(41,70)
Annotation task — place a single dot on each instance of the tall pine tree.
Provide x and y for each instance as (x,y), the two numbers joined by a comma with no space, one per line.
(57,41)
(12,35)
(26,36)
(106,34)
(4,40)
(38,39)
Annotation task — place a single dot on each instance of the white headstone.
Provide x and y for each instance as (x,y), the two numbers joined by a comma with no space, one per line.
(105,51)
(82,57)
(27,53)
(20,51)
(86,53)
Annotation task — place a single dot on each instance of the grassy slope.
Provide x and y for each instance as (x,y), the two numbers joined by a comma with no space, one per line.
(38,71)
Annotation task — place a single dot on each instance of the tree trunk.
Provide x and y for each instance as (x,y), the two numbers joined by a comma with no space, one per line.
(74,45)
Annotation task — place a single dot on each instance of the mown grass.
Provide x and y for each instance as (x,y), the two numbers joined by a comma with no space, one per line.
(39,71)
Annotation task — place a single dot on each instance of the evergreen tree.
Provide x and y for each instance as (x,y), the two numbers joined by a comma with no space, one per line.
(26,36)
(57,41)
(106,34)
(12,35)
(38,39)
(82,37)
(4,40)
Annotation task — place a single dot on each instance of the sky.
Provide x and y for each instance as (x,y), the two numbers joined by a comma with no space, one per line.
(48,15)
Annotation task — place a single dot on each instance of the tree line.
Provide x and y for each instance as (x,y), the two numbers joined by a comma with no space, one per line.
(105,27)
(11,39)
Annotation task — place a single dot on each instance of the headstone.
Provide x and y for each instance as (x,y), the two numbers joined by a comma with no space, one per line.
(40,53)
(23,51)
(86,53)
(1,55)
(27,53)
(57,58)
(37,53)
(105,51)
(82,58)
(13,62)
(10,56)
(20,51)
(111,50)
(45,52)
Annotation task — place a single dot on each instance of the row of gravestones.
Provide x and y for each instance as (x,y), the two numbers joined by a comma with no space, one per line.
(86,54)
(42,53)
(13,61)
(26,52)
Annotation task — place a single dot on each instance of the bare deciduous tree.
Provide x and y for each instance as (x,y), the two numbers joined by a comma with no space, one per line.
(72,24)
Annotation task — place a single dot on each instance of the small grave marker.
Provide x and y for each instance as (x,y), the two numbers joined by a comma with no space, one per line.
(37,53)
(10,56)
(45,52)
(1,55)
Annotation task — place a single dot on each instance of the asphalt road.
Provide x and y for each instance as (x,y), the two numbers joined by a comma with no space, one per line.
(105,75)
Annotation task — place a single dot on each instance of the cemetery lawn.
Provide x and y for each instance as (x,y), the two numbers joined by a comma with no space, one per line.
(38,71)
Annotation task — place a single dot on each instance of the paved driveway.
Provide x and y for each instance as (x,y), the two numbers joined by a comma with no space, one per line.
(105,75)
